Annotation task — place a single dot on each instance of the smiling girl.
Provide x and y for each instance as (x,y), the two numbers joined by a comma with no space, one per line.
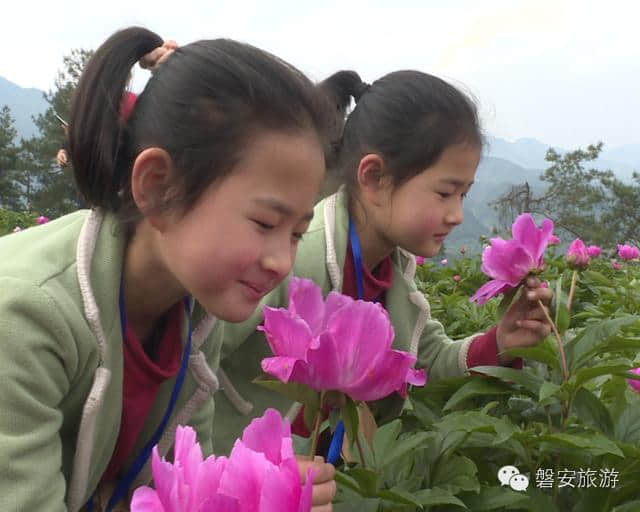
(108,329)
(407,157)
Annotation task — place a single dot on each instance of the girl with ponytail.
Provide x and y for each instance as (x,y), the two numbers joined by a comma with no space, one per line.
(109,335)
(405,156)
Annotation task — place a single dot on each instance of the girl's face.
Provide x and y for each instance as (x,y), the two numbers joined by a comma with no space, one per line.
(420,213)
(240,240)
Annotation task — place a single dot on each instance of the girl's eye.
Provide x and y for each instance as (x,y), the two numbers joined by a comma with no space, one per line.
(444,195)
(263,225)
(464,194)
(298,236)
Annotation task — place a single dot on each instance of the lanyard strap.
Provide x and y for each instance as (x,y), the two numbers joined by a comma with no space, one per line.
(357,257)
(338,436)
(127,480)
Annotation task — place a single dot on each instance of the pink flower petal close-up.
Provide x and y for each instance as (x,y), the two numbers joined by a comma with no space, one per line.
(508,262)
(577,255)
(260,475)
(342,345)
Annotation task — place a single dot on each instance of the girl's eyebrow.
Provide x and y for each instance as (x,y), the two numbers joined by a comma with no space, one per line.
(280,207)
(456,182)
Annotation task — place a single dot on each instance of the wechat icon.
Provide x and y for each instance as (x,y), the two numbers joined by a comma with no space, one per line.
(510,475)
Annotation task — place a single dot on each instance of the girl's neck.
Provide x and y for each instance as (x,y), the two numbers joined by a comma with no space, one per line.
(374,246)
(149,290)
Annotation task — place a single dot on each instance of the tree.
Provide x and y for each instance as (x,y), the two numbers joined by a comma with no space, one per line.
(9,189)
(55,192)
(588,203)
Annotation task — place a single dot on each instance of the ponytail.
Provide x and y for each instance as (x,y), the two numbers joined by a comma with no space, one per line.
(96,128)
(339,88)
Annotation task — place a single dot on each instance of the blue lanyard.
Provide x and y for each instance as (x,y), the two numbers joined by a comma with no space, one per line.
(357,257)
(127,480)
(338,436)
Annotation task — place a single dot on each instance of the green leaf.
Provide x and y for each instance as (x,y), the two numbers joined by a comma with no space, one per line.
(525,377)
(544,352)
(492,498)
(366,479)
(548,390)
(437,496)
(562,316)
(457,474)
(364,505)
(350,417)
(508,299)
(407,444)
(630,506)
(580,349)
(627,427)
(592,411)
(477,387)
(297,392)
(586,374)
(383,441)
(597,278)
(346,480)
(590,442)
(397,495)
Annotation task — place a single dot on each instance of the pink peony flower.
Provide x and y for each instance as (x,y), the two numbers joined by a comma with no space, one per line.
(577,255)
(628,252)
(42,219)
(444,261)
(508,262)
(616,265)
(457,278)
(17,229)
(554,240)
(260,474)
(594,251)
(340,344)
(420,260)
(635,384)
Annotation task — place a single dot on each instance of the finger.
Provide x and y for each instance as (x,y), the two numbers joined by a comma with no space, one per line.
(533,282)
(543,294)
(323,508)
(170,44)
(323,494)
(543,329)
(163,57)
(322,472)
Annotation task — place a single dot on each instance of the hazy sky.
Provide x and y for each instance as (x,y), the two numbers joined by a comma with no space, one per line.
(564,72)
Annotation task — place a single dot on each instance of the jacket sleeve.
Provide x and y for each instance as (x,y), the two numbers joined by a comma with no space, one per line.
(37,355)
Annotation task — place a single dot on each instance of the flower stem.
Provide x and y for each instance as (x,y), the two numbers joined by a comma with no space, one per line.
(316,429)
(360,451)
(572,290)
(563,357)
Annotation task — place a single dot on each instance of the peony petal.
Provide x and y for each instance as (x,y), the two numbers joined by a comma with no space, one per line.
(534,239)
(287,334)
(389,374)
(282,368)
(145,499)
(188,456)
(506,260)
(305,301)
(220,503)
(335,302)
(416,377)
(267,435)
(489,290)
(306,497)
(244,476)
(359,335)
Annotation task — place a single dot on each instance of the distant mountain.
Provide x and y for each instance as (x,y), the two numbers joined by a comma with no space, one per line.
(24,103)
(530,153)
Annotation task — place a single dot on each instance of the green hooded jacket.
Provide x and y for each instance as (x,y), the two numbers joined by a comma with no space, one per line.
(320,257)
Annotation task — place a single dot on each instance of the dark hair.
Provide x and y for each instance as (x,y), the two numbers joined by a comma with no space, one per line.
(407,117)
(202,105)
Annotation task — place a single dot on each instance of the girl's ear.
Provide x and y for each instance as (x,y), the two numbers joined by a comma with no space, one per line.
(150,177)
(372,182)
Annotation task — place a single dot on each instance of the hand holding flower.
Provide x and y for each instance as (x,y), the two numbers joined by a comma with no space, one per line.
(525,323)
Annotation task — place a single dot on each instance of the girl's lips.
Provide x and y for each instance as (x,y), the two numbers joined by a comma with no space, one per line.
(255,291)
